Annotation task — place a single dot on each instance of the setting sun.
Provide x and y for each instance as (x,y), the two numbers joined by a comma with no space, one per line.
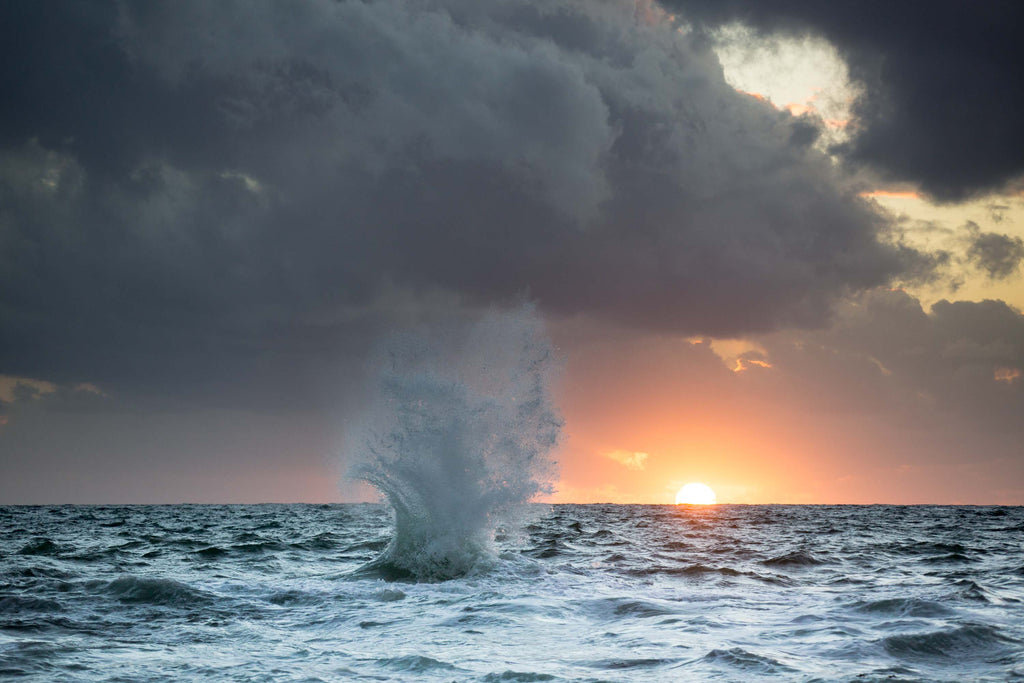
(696,494)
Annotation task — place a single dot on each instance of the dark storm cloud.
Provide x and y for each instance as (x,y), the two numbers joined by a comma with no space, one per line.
(229,197)
(943,93)
(998,255)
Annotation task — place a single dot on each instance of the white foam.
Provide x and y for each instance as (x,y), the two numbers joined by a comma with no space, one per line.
(459,435)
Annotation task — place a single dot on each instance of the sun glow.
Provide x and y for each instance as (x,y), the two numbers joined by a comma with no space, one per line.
(696,494)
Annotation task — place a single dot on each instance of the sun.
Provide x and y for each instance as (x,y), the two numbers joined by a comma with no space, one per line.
(696,494)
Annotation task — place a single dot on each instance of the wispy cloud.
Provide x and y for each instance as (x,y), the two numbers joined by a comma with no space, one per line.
(634,460)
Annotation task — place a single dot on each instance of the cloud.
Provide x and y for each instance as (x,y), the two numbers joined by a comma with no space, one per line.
(841,413)
(220,200)
(886,355)
(998,255)
(940,97)
(633,460)
(22,395)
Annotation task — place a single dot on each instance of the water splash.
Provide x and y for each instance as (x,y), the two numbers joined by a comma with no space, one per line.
(459,436)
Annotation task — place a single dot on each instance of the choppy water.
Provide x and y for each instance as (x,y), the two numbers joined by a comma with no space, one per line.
(582,593)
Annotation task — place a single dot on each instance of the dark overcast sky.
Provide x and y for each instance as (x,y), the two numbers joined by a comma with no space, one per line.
(223,205)
(942,81)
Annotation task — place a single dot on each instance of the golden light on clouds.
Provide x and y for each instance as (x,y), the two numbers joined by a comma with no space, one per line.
(890,194)
(743,364)
(804,76)
(9,384)
(1007,375)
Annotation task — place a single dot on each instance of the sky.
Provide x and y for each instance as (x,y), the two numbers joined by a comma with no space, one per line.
(776,244)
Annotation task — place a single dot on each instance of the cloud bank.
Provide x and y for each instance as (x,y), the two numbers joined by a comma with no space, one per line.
(218,198)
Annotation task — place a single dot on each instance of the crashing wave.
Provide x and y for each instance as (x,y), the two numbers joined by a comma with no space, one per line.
(459,437)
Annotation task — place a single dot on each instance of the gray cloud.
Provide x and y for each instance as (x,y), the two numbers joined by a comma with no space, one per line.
(942,94)
(223,199)
(885,354)
(998,255)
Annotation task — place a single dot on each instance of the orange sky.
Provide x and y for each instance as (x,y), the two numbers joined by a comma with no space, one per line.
(757,436)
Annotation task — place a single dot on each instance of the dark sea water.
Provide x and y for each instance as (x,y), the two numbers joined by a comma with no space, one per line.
(573,593)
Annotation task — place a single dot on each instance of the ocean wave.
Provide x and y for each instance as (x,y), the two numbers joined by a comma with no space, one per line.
(675,546)
(633,663)
(618,608)
(294,597)
(12,604)
(971,641)
(663,606)
(927,548)
(258,547)
(323,541)
(971,590)
(748,662)
(904,607)
(389,595)
(701,571)
(510,676)
(149,591)
(949,558)
(417,664)
(797,558)
(548,549)
(39,546)
(40,572)
(890,674)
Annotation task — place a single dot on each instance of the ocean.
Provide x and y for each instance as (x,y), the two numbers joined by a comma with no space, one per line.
(558,593)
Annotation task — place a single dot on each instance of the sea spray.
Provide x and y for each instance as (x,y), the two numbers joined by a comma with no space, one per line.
(458,437)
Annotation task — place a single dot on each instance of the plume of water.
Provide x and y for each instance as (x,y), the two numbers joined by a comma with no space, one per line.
(459,436)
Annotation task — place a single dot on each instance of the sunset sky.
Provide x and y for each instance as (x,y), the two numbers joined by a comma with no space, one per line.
(777,243)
